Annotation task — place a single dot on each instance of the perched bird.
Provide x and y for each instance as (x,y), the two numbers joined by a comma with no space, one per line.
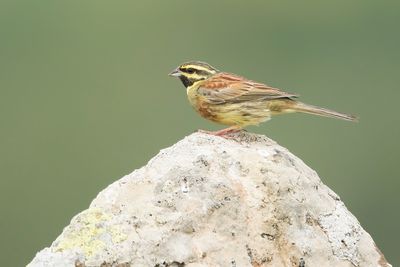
(235,101)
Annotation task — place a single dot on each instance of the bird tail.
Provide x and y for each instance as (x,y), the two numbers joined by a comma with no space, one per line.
(305,108)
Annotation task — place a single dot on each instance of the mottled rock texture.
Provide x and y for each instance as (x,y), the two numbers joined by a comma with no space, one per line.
(210,201)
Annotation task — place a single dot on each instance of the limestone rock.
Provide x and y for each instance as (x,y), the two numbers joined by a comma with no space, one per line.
(210,201)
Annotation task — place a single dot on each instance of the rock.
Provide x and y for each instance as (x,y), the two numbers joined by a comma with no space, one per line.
(210,201)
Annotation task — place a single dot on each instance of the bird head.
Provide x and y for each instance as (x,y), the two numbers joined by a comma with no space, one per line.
(192,72)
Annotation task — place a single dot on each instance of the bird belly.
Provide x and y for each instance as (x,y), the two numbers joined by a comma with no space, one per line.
(242,114)
(234,114)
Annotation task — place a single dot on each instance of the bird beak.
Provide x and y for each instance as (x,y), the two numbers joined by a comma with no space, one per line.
(175,73)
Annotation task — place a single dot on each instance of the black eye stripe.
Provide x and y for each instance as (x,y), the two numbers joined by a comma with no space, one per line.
(188,70)
(192,70)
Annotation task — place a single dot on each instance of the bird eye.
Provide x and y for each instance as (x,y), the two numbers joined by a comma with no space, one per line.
(190,70)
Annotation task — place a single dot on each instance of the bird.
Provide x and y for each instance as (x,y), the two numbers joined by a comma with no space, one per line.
(238,102)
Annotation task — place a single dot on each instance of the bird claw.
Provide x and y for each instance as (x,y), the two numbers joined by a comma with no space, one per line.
(225,133)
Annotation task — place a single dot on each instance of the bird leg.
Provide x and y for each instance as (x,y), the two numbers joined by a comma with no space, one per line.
(223,132)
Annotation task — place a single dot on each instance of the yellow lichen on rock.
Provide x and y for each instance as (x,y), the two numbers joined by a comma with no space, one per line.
(90,233)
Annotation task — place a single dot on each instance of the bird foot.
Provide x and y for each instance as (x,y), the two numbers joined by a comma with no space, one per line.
(222,133)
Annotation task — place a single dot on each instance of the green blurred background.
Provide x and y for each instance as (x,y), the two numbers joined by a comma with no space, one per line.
(85,98)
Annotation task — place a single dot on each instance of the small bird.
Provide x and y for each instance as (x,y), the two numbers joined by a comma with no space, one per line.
(235,101)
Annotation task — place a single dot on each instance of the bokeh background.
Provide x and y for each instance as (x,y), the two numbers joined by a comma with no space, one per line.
(85,98)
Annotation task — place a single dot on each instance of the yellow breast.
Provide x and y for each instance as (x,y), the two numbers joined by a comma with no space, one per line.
(191,92)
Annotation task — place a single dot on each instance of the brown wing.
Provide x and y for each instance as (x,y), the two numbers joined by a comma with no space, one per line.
(230,88)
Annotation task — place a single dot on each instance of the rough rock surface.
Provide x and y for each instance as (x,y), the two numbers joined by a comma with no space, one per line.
(210,201)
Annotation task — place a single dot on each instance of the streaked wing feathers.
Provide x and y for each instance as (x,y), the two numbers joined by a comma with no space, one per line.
(230,88)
